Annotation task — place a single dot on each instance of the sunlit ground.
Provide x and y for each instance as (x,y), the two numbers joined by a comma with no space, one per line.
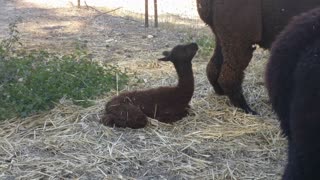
(63,21)
(185,8)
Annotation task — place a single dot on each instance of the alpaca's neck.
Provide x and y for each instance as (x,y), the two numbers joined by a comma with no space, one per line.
(185,79)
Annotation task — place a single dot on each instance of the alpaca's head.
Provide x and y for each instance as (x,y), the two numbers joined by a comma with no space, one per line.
(180,54)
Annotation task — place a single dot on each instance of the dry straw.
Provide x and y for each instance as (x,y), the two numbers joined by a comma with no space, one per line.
(216,142)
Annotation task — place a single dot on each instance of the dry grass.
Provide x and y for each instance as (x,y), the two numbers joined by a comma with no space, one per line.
(216,142)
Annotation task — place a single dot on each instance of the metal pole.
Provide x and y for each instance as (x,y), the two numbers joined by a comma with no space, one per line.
(146,14)
(155,13)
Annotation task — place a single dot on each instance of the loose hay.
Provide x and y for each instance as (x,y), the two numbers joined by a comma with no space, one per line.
(217,141)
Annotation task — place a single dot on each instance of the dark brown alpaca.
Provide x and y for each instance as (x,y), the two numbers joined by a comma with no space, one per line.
(166,104)
(237,25)
(292,79)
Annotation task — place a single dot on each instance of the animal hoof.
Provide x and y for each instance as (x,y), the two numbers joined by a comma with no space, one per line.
(218,90)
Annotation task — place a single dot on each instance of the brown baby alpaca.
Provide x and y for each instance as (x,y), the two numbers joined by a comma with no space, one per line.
(166,104)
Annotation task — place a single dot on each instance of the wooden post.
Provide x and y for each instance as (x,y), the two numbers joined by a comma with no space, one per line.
(155,13)
(146,15)
(78,3)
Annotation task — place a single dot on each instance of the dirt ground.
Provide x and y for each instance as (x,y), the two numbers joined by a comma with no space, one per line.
(217,142)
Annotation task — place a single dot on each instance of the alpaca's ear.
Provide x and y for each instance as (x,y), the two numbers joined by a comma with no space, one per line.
(163,59)
(166,53)
(166,56)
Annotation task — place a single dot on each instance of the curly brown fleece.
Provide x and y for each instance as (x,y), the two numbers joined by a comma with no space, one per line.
(238,25)
(166,104)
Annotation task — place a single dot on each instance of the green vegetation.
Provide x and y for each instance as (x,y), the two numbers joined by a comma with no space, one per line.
(33,81)
(205,42)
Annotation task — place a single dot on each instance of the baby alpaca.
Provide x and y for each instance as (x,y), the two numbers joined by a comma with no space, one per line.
(293,83)
(166,104)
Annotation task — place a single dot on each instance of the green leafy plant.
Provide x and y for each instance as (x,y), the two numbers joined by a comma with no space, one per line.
(205,42)
(31,82)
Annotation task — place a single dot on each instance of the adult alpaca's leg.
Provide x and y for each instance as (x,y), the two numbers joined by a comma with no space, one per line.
(124,115)
(236,59)
(214,68)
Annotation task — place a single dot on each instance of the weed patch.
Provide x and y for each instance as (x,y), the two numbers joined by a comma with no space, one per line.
(206,44)
(33,81)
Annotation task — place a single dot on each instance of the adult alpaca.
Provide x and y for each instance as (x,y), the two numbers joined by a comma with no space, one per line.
(166,104)
(293,83)
(237,25)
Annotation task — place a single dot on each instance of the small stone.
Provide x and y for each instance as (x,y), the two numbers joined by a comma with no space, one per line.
(109,40)
(142,137)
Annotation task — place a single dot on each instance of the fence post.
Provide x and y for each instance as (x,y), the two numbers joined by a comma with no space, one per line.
(146,14)
(155,13)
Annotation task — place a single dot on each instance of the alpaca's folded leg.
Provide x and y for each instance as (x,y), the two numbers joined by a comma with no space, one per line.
(170,117)
(124,115)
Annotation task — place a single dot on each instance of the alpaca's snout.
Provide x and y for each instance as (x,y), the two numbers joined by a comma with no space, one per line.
(194,46)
